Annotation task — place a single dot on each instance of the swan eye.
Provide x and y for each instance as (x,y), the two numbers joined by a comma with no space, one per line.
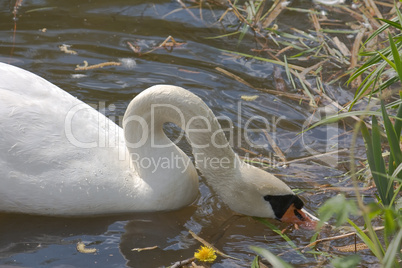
(280,203)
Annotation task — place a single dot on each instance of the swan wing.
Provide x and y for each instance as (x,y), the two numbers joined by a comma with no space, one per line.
(54,149)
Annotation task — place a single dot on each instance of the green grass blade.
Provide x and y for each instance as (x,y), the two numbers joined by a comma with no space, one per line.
(391,23)
(292,66)
(279,232)
(288,74)
(392,137)
(255,263)
(388,83)
(397,170)
(396,193)
(387,60)
(379,168)
(367,240)
(390,259)
(380,30)
(337,117)
(395,54)
(398,128)
(398,12)
(243,33)
(222,36)
(391,170)
(398,123)
(369,151)
(275,261)
(393,141)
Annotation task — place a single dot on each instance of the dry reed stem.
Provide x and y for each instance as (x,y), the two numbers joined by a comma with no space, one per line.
(368,14)
(180,264)
(278,8)
(136,49)
(270,91)
(232,75)
(326,97)
(373,7)
(273,144)
(314,156)
(18,4)
(341,46)
(187,10)
(146,248)
(344,189)
(293,96)
(354,14)
(283,50)
(356,47)
(248,151)
(241,18)
(207,244)
(339,237)
(354,57)
(380,3)
(317,27)
(352,247)
(169,42)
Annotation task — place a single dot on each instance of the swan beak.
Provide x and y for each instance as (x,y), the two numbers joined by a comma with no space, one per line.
(300,217)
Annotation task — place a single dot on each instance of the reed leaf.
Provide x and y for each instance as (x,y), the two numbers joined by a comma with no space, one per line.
(393,248)
(380,30)
(372,246)
(275,261)
(379,166)
(369,151)
(395,53)
(279,232)
(391,23)
(398,128)
(392,136)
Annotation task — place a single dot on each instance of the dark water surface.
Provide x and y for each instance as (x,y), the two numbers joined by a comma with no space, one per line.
(99,31)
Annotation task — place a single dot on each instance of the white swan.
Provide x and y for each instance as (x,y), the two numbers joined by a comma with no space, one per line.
(59,156)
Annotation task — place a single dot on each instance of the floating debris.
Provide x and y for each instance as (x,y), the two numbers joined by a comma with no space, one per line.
(330,2)
(146,248)
(169,43)
(66,49)
(82,249)
(249,98)
(96,66)
(76,76)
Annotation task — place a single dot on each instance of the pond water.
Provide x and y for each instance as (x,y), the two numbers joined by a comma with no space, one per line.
(99,31)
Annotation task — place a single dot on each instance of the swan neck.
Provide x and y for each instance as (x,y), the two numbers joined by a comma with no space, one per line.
(143,126)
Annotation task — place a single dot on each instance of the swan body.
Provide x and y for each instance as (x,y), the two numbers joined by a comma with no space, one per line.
(59,156)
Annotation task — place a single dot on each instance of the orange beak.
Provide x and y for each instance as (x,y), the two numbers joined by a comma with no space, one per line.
(300,217)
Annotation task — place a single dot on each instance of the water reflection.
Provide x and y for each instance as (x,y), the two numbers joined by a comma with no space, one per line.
(28,236)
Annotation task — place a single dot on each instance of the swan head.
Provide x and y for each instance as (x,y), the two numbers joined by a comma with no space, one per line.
(255,192)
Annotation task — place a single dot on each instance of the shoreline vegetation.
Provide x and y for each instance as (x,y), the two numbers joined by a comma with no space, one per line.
(361,52)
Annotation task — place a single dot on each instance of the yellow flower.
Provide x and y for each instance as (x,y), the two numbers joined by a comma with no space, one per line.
(205,254)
